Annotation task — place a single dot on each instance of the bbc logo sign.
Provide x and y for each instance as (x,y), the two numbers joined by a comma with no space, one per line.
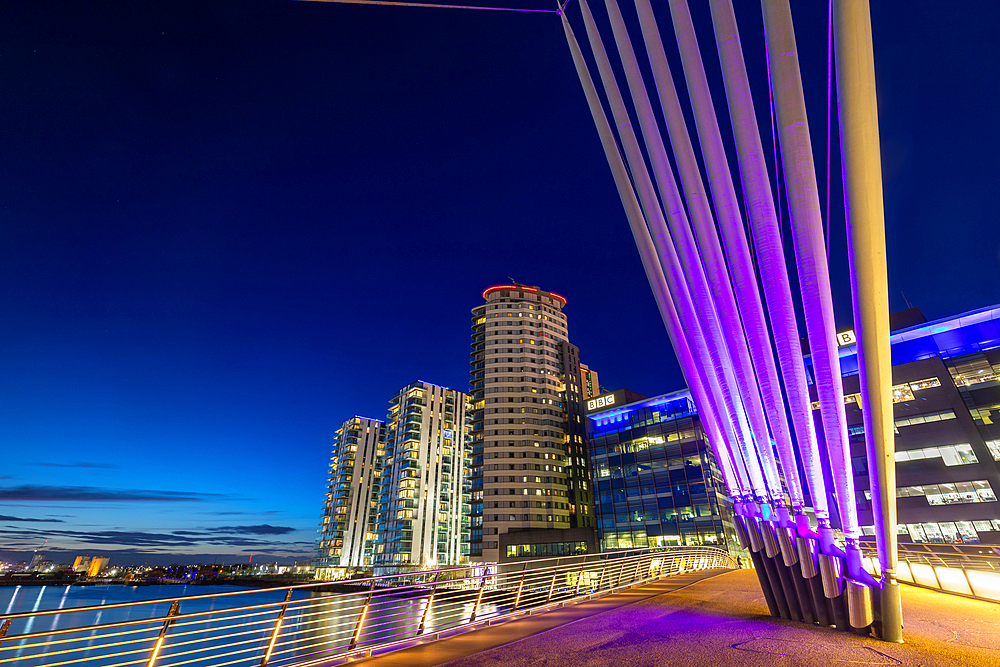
(601,402)
(845,338)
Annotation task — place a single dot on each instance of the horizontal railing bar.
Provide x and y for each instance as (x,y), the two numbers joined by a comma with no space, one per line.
(177,654)
(296,587)
(320,627)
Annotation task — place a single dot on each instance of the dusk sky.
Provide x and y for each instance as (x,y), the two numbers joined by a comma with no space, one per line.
(228,226)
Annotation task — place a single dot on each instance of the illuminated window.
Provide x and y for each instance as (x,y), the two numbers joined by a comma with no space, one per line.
(972,370)
(901,392)
(925,384)
(994,446)
(986,415)
(925,418)
(953,455)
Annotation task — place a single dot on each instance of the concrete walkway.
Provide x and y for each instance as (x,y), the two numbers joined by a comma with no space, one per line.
(715,619)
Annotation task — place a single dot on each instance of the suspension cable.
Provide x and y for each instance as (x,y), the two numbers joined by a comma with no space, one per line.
(437,6)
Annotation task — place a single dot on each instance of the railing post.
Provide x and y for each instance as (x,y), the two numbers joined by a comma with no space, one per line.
(479,598)
(600,579)
(635,575)
(427,609)
(361,619)
(520,587)
(175,609)
(277,627)
(4,628)
(621,572)
(579,580)
(552,584)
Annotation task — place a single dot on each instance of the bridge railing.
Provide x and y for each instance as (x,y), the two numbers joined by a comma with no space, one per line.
(298,626)
(968,569)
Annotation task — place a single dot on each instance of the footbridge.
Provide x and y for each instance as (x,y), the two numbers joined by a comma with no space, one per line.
(683,606)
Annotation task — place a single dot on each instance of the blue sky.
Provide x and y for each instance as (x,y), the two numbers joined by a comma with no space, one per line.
(228,226)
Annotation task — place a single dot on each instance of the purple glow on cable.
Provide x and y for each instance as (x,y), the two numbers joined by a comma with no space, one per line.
(756,345)
(768,245)
(651,264)
(437,6)
(723,329)
(689,317)
(810,251)
(690,259)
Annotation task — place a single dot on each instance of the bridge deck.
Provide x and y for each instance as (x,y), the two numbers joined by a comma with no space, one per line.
(714,619)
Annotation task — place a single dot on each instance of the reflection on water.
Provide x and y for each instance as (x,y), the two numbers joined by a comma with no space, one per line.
(313,624)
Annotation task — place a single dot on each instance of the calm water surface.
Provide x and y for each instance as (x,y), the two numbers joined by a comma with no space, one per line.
(308,627)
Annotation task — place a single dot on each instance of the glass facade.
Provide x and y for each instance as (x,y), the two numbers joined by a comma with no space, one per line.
(946,413)
(657,481)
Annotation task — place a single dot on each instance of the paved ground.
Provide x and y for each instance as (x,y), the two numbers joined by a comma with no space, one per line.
(720,620)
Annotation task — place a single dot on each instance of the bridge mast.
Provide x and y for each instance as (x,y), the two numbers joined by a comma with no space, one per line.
(862,173)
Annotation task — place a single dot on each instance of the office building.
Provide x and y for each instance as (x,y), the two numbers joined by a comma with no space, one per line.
(347,525)
(97,565)
(423,501)
(82,563)
(530,468)
(946,407)
(590,385)
(36,562)
(658,484)
(657,481)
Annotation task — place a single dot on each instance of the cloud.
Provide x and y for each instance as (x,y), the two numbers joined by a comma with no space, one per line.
(262,529)
(79,464)
(4,517)
(93,494)
(157,542)
(243,513)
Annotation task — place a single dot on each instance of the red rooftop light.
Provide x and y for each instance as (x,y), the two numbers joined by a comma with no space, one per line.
(522,288)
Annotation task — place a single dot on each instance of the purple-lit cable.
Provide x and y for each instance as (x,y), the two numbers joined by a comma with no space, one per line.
(703,321)
(770,254)
(757,345)
(654,272)
(391,3)
(810,251)
(713,355)
(729,328)
(689,318)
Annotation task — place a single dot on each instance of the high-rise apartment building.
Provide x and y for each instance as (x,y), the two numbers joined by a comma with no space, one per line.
(589,384)
(423,498)
(530,468)
(347,527)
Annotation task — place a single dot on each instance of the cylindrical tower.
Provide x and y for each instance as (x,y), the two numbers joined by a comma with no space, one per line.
(529,467)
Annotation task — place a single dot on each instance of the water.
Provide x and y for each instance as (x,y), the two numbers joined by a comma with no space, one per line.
(310,627)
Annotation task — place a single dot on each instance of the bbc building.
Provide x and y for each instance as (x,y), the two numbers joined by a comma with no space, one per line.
(658,484)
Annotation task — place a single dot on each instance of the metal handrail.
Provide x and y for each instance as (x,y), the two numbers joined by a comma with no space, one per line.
(304,625)
(969,570)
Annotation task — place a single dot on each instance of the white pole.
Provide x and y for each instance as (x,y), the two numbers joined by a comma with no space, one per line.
(862,171)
